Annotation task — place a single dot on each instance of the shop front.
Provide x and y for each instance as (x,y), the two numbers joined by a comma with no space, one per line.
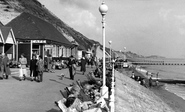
(41,47)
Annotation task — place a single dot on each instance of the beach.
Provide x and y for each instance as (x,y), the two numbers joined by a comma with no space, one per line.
(172,100)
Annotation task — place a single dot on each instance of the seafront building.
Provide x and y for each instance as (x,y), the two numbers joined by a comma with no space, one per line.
(30,34)
(36,36)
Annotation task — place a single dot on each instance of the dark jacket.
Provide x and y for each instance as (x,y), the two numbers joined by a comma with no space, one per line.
(33,65)
(5,65)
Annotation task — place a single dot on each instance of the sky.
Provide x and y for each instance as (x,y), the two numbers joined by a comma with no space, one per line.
(145,27)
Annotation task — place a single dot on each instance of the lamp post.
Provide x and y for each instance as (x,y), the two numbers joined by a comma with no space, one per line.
(110,42)
(103,10)
(112,98)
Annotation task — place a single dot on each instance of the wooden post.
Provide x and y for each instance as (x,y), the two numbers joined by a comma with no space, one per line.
(31,46)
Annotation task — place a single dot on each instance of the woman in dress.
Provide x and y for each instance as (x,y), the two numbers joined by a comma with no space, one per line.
(23,71)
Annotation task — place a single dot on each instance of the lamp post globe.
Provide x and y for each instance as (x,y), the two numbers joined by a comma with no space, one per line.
(103,8)
(104,89)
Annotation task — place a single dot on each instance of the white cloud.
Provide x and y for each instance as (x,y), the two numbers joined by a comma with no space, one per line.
(164,13)
(83,18)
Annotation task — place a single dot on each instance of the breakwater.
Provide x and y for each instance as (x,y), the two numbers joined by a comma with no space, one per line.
(157,61)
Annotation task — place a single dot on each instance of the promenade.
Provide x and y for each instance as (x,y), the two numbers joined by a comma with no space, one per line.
(27,96)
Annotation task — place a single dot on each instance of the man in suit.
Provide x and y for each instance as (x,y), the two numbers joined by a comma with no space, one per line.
(71,66)
(5,66)
(33,68)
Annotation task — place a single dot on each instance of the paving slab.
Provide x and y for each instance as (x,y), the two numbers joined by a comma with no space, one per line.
(27,96)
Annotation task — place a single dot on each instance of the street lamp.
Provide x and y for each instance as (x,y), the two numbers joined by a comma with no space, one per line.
(110,42)
(112,97)
(103,10)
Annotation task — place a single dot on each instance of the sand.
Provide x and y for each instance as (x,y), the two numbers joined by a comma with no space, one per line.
(175,102)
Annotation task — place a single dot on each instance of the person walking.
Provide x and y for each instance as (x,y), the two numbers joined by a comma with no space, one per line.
(5,66)
(23,72)
(49,63)
(150,81)
(71,66)
(1,67)
(83,65)
(40,69)
(33,68)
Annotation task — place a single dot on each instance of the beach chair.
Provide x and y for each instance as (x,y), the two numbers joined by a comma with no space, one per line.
(64,94)
(61,105)
(91,76)
(79,84)
(68,90)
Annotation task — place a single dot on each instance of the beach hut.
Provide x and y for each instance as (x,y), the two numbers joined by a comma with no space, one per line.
(36,36)
(7,42)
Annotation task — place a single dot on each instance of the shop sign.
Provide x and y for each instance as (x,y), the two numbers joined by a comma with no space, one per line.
(38,41)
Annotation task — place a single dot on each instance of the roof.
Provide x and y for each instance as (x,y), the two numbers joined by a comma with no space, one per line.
(29,27)
(1,24)
(5,32)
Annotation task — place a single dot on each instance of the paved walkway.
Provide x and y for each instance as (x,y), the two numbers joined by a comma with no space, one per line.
(27,96)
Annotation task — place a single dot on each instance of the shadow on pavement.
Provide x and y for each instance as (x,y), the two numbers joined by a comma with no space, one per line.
(58,82)
(18,78)
(53,110)
(15,77)
(62,78)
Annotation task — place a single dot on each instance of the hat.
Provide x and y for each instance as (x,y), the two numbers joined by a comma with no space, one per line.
(3,54)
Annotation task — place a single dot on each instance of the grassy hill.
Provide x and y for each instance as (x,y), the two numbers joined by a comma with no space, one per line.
(36,8)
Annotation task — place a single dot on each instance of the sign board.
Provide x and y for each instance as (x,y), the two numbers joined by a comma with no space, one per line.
(48,46)
(38,41)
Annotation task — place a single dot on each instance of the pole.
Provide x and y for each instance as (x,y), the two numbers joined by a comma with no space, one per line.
(17,51)
(43,51)
(13,52)
(31,46)
(104,88)
(110,54)
(112,98)
(3,48)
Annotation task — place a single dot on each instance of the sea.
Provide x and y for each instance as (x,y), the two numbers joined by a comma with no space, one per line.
(172,71)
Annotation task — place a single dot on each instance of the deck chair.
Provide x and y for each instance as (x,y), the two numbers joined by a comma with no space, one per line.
(79,84)
(82,96)
(68,90)
(64,94)
(60,104)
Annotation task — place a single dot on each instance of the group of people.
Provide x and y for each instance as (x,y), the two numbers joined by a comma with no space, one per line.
(72,64)
(36,68)
(84,97)
(139,79)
